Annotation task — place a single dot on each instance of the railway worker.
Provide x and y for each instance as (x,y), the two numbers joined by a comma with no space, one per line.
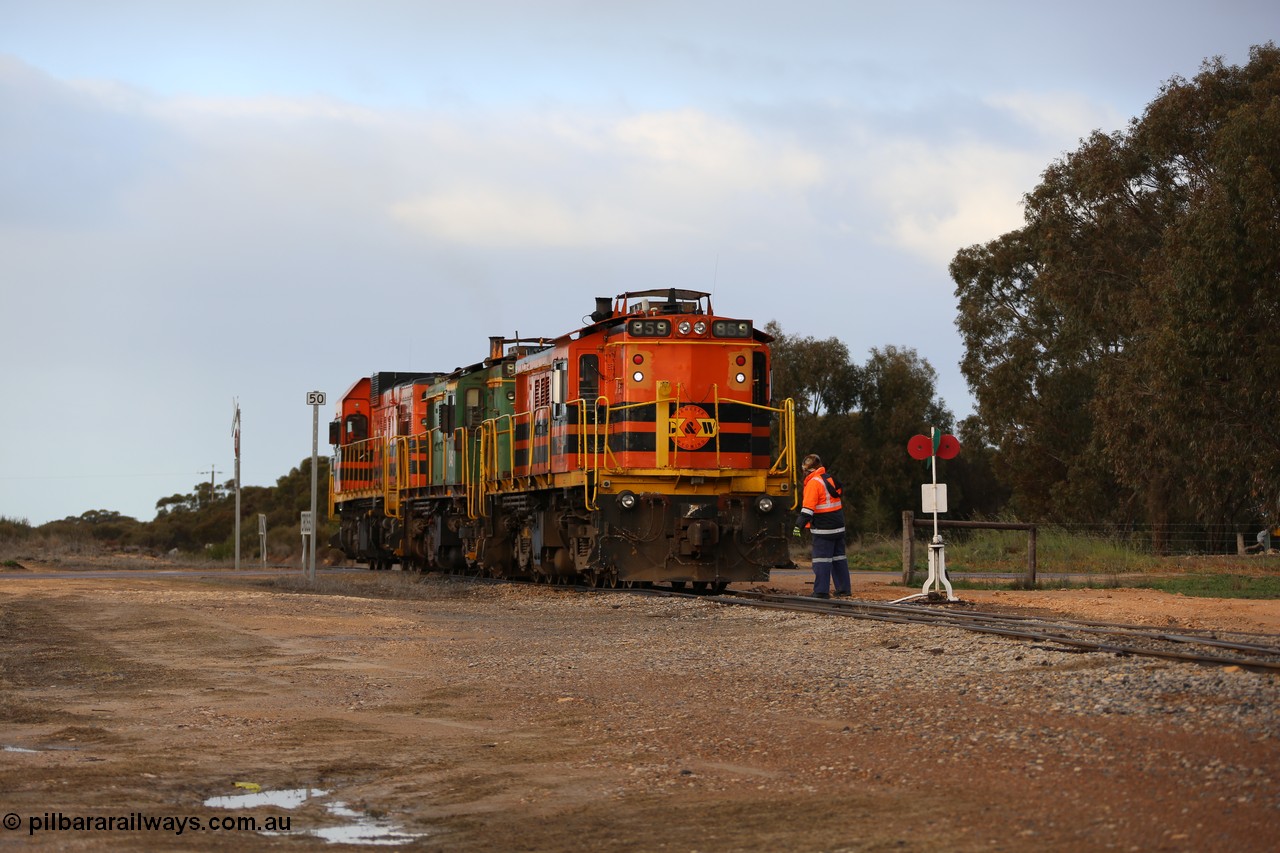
(823,514)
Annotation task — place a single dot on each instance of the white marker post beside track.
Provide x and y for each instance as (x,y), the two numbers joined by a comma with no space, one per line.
(315,399)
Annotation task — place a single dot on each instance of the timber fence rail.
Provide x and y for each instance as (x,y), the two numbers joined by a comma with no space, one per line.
(910,523)
(1089,548)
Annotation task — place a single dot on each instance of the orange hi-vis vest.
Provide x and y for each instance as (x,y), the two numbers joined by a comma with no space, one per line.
(823,512)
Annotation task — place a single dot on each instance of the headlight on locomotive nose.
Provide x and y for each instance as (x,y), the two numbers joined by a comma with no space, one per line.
(764,504)
(627,500)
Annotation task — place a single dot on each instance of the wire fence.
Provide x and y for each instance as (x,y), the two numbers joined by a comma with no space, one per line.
(1171,539)
(1110,548)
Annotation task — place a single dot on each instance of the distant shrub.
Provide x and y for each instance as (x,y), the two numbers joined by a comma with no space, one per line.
(14,528)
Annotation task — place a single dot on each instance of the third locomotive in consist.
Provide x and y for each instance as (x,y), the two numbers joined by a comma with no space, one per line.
(641,448)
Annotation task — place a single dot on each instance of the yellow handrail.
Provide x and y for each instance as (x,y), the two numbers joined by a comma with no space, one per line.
(462,462)
(388,466)
(391,479)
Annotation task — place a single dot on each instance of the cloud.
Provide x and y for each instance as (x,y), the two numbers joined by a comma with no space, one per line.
(939,198)
(68,155)
(496,216)
(531,179)
(1063,116)
(588,181)
(964,184)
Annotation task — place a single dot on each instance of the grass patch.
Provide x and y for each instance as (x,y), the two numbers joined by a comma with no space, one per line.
(1057,550)
(1216,586)
(1063,551)
(1191,585)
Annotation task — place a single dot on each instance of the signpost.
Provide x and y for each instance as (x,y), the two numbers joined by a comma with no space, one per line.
(315,399)
(933,498)
(308,545)
(235,431)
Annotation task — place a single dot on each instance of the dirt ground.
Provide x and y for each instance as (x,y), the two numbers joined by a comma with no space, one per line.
(441,715)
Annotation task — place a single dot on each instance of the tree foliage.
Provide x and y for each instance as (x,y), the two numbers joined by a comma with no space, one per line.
(816,374)
(195,523)
(859,417)
(1122,346)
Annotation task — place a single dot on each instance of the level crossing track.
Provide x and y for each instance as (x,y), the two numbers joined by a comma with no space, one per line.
(1258,652)
(1252,651)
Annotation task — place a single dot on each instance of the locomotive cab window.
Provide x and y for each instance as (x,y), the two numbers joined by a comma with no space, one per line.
(759,380)
(589,377)
(356,428)
(475,412)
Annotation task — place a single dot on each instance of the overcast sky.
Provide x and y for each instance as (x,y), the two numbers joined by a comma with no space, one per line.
(204,201)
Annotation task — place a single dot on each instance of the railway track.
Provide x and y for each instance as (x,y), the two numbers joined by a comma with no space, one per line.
(1251,651)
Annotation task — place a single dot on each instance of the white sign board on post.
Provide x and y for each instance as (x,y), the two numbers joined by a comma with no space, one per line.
(933,497)
(307,544)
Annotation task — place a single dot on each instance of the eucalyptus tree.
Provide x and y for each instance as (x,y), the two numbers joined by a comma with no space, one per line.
(1122,346)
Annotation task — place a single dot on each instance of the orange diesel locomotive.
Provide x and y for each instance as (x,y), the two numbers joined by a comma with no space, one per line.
(642,448)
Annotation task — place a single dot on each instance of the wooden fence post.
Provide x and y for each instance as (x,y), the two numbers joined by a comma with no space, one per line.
(1031,557)
(908,545)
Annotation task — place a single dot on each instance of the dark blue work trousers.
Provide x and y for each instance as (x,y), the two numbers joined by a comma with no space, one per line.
(830,563)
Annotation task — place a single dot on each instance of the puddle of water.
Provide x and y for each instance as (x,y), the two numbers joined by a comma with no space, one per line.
(363,829)
(359,828)
(289,799)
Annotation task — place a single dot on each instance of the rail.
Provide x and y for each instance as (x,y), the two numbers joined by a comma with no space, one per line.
(1198,646)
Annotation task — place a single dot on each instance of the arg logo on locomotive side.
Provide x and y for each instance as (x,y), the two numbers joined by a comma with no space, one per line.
(691,427)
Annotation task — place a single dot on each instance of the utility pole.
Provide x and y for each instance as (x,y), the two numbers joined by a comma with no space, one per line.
(213,475)
(235,430)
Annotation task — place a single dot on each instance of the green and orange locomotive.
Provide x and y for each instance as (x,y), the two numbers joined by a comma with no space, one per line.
(640,449)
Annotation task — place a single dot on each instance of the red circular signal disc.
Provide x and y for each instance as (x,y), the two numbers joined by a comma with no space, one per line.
(948,447)
(920,447)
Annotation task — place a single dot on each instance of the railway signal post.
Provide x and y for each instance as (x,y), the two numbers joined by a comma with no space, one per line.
(934,499)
